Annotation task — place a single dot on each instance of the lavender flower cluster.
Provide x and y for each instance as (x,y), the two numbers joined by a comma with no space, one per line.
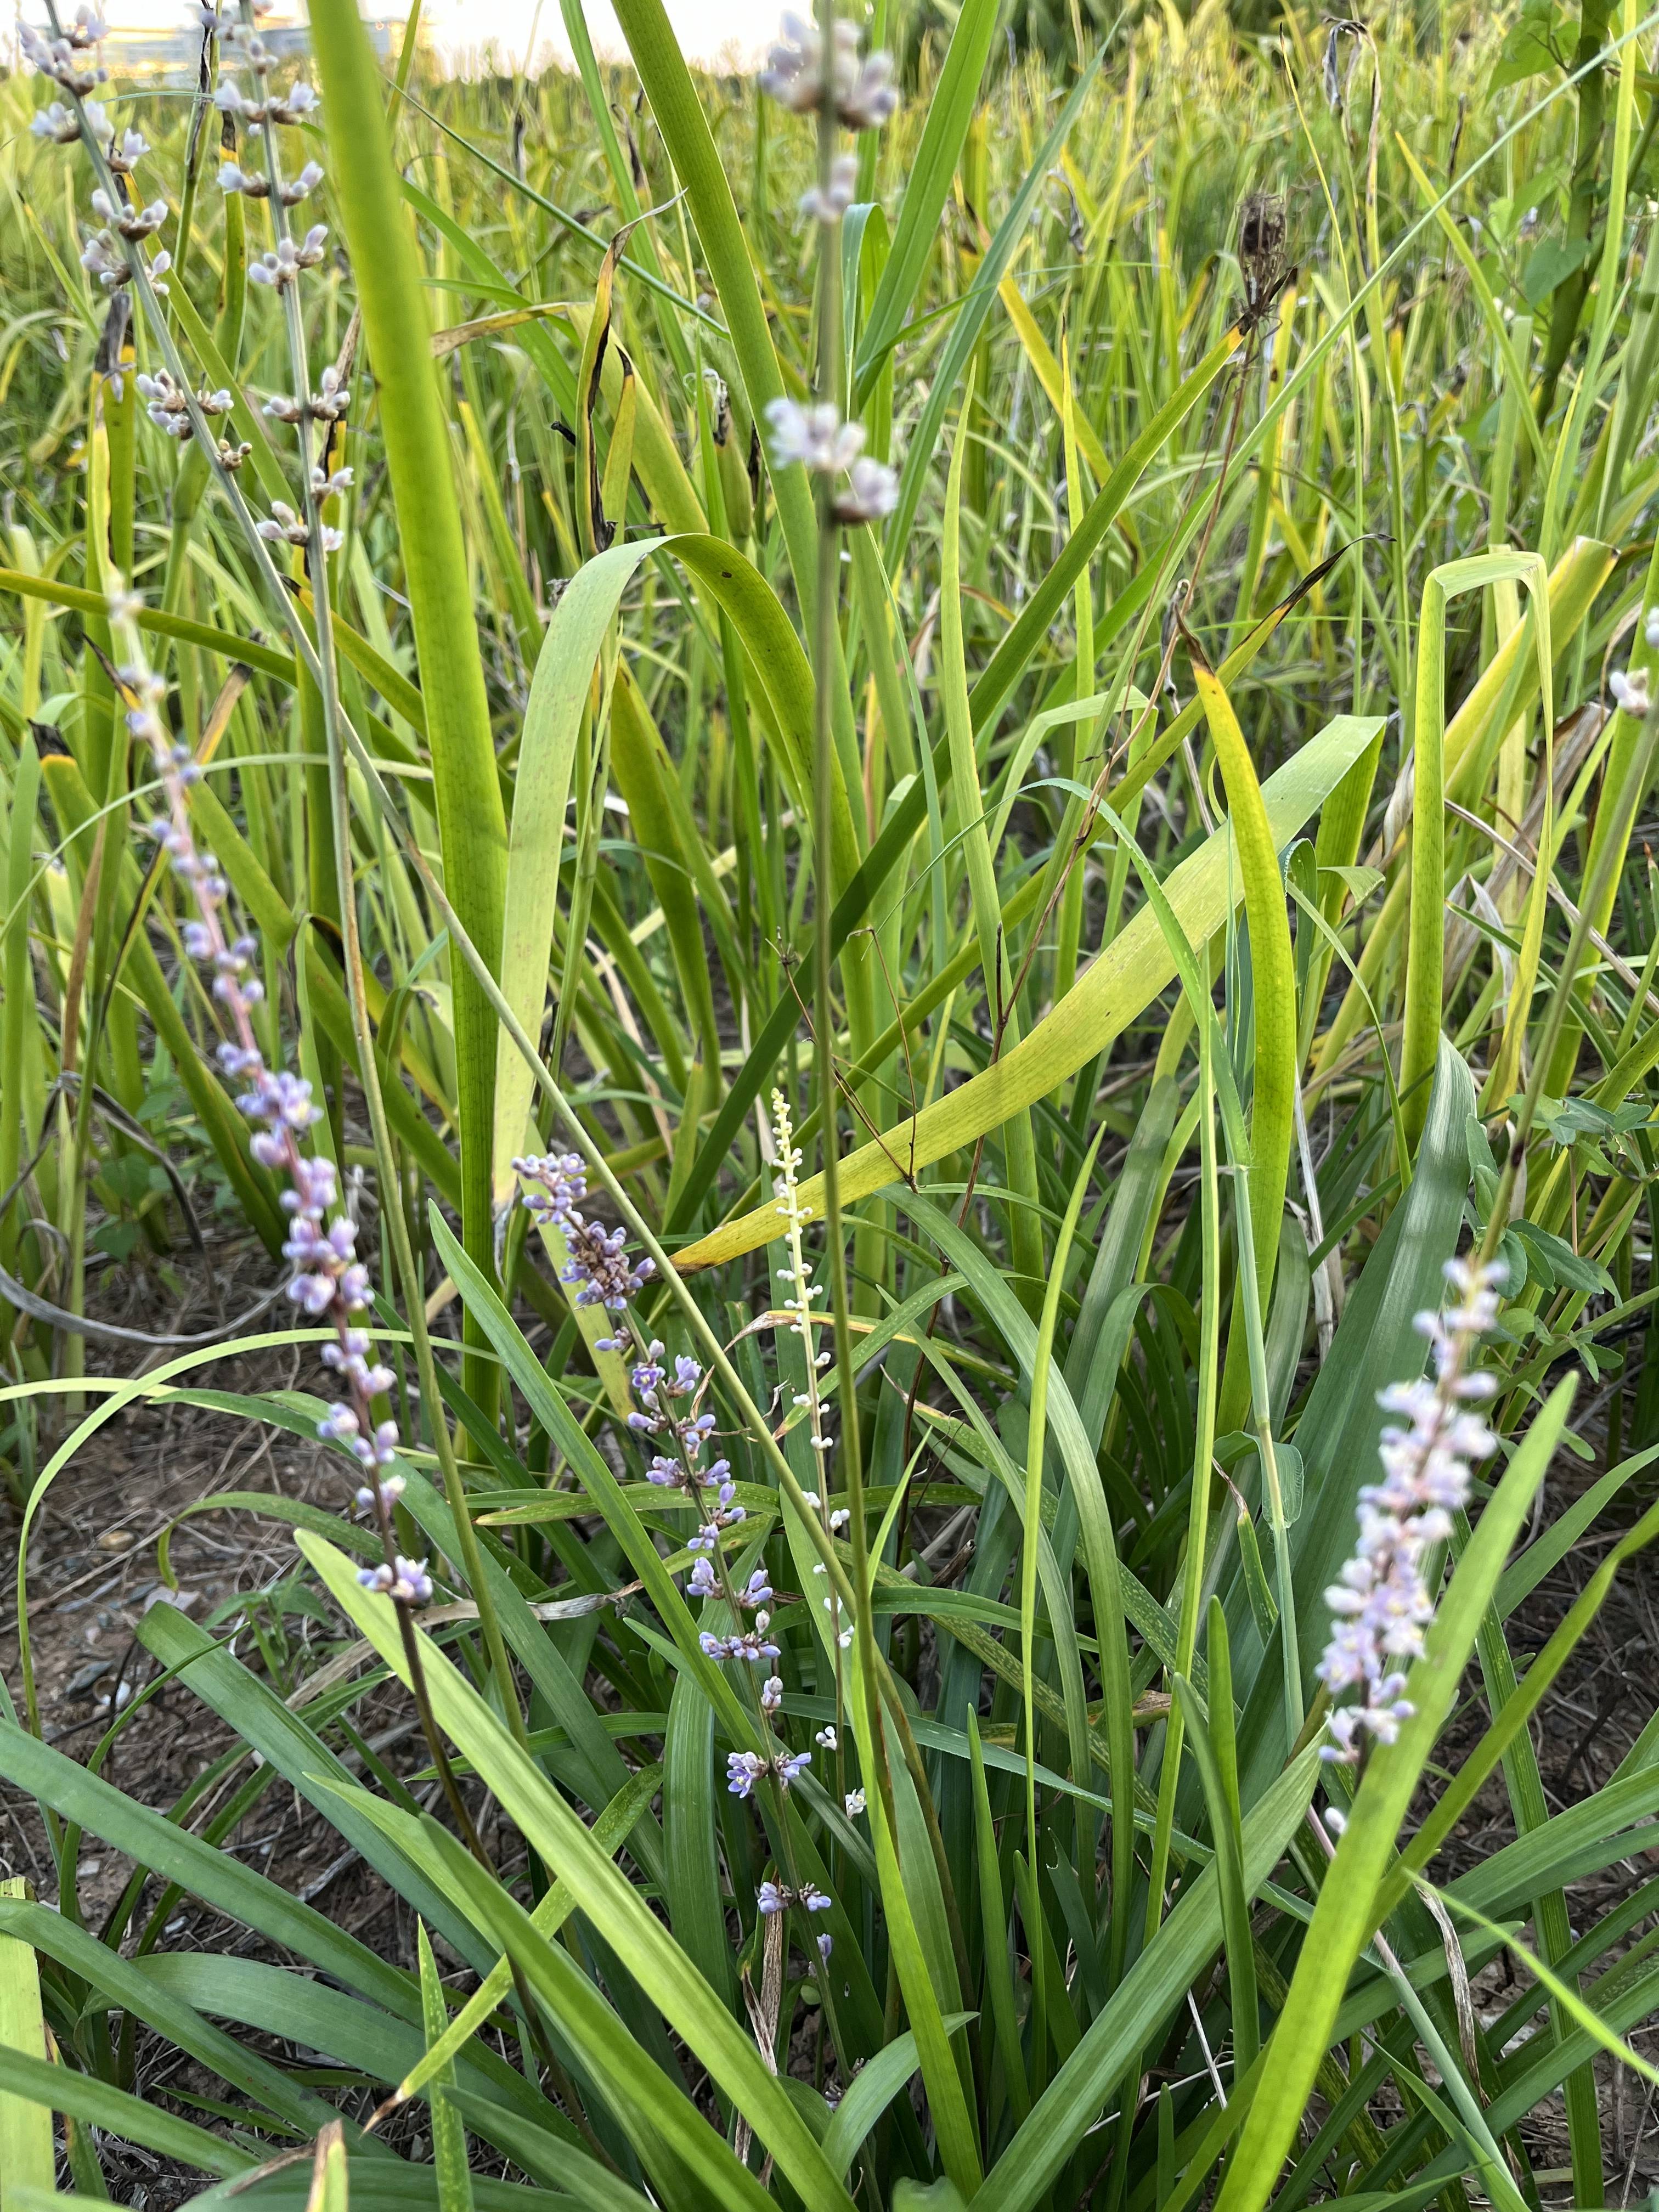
(858,94)
(281,264)
(861,93)
(1383,1605)
(797,1299)
(599,1264)
(329,1283)
(744,1769)
(601,1272)
(1629,686)
(73,61)
(827,446)
(773,1897)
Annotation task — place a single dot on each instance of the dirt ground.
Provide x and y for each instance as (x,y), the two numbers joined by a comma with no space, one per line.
(92,1571)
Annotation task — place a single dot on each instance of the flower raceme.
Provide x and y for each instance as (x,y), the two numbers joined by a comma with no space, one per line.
(168,407)
(1382,1604)
(255,185)
(72,59)
(744,1769)
(862,92)
(827,446)
(773,1897)
(798,1293)
(599,1264)
(827,203)
(671,1425)
(861,96)
(299,104)
(329,1282)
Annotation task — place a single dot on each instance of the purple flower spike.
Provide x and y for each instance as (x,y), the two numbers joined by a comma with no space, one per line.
(329,1283)
(1382,1606)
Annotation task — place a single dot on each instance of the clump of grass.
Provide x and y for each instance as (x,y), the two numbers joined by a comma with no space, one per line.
(996,696)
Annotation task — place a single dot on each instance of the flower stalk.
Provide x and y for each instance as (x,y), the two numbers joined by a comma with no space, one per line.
(67,59)
(1383,1601)
(816,69)
(670,1424)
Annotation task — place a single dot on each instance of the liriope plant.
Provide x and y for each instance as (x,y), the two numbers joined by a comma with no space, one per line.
(988,1731)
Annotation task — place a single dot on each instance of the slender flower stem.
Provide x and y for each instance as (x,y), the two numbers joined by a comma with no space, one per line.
(872,496)
(314,489)
(802,1291)
(667,1415)
(319,664)
(144,290)
(825,659)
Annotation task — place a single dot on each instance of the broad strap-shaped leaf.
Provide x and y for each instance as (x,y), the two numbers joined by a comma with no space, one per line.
(253,1709)
(1425,944)
(1272,1006)
(391,296)
(99,2104)
(1125,979)
(1337,1436)
(125,1983)
(559,691)
(216,1877)
(27,2152)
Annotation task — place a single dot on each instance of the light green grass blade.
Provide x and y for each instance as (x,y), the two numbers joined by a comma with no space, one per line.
(1273,1003)
(449,2154)
(83,2097)
(616,1908)
(28,2158)
(330,2189)
(1425,954)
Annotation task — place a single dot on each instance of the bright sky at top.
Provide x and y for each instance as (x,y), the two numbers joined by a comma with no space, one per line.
(465,31)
